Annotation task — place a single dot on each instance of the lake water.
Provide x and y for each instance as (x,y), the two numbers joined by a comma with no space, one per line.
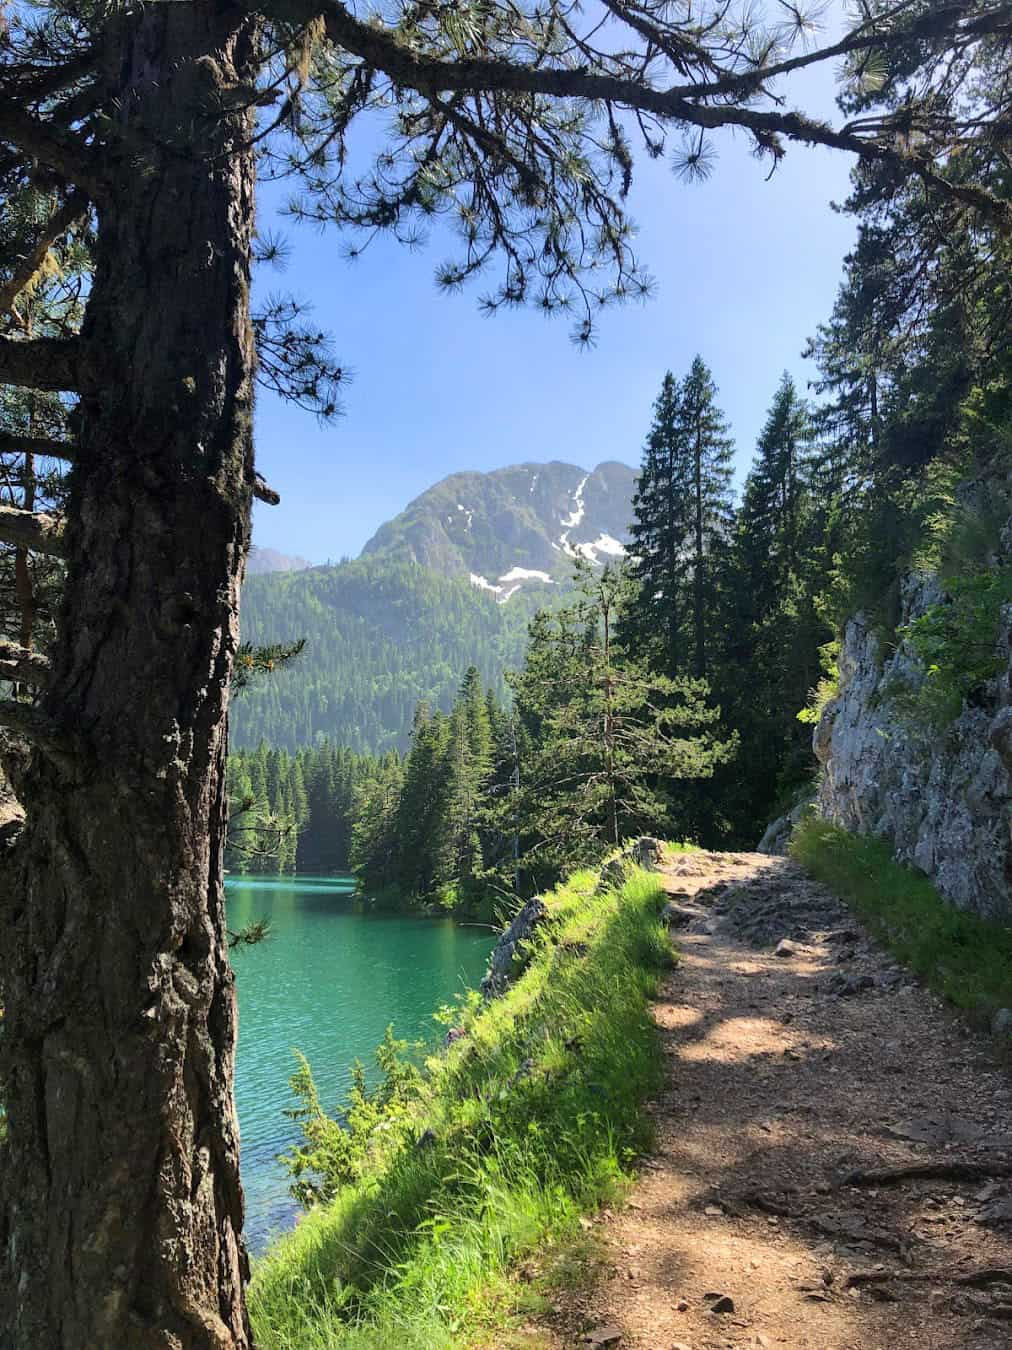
(327,982)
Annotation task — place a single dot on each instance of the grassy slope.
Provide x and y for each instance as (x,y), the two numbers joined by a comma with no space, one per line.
(534,1118)
(966,959)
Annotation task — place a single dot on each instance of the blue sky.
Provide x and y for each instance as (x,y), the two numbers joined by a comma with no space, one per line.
(745,269)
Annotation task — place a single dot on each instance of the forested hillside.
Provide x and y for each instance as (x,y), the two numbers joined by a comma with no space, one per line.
(451,582)
(381,635)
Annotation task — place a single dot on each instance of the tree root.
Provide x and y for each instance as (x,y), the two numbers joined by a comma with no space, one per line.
(972,1279)
(954,1170)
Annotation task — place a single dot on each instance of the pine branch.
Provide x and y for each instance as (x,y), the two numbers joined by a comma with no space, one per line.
(55,228)
(13,444)
(254,933)
(251,661)
(42,363)
(35,530)
(687,105)
(20,665)
(63,152)
(263,492)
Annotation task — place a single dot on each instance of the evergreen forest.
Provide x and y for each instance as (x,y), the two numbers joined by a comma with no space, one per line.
(727,613)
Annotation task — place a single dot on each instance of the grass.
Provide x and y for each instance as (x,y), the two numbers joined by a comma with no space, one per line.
(966,959)
(530,1120)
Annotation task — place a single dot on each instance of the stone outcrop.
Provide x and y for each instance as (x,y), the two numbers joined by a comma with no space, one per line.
(776,841)
(507,959)
(943,797)
(647,853)
(511,953)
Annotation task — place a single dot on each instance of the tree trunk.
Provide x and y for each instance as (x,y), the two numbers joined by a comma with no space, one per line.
(23,590)
(123,1210)
(698,581)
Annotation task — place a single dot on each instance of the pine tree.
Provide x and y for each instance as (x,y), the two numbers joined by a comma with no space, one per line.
(420,809)
(773,576)
(471,697)
(709,452)
(656,623)
(683,512)
(375,842)
(610,739)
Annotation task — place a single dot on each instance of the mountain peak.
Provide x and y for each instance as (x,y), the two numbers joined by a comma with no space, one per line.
(514,528)
(263,560)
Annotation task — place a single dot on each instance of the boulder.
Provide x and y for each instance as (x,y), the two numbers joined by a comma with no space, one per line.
(777,840)
(613,874)
(647,852)
(510,955)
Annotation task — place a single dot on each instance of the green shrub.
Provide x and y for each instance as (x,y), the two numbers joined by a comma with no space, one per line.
(957,642)
(335,1151)
(829,685)
(530,1118)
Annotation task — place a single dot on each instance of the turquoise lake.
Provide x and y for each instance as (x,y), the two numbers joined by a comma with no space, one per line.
(327,982)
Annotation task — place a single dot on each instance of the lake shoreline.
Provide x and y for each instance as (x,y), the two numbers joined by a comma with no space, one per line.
(332,975)
(388,901)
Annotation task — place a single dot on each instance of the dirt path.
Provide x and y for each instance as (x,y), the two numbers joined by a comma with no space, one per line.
(787,1073)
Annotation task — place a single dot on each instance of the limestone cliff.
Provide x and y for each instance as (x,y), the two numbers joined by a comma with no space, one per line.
(942,796)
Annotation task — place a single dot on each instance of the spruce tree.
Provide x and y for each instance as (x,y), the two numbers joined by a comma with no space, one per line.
(655,623)
(420,809)
(683,513)
(709,455)
(612,742)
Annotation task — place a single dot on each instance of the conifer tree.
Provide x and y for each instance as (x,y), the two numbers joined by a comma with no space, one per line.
(611,741)
(656,622)
(709,455)
(420,810)
(375,842)
(769,522)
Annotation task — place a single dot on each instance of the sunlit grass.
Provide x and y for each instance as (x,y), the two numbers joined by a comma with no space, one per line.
(530,1120)
(966,959)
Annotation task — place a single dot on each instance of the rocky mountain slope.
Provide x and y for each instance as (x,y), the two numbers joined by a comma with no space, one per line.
(516,528)
(264,560)
(450,582)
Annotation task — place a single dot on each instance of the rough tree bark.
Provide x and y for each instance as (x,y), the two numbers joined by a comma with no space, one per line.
(123,1208)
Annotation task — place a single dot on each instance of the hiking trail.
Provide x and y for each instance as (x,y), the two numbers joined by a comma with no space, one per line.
(833,1160)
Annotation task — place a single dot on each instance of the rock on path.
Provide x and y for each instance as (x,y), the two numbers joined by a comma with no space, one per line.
(799,1055)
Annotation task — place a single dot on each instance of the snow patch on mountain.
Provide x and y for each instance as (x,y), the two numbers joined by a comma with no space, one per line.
(604,543)
(526,574)
(484,585)
(574,518)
